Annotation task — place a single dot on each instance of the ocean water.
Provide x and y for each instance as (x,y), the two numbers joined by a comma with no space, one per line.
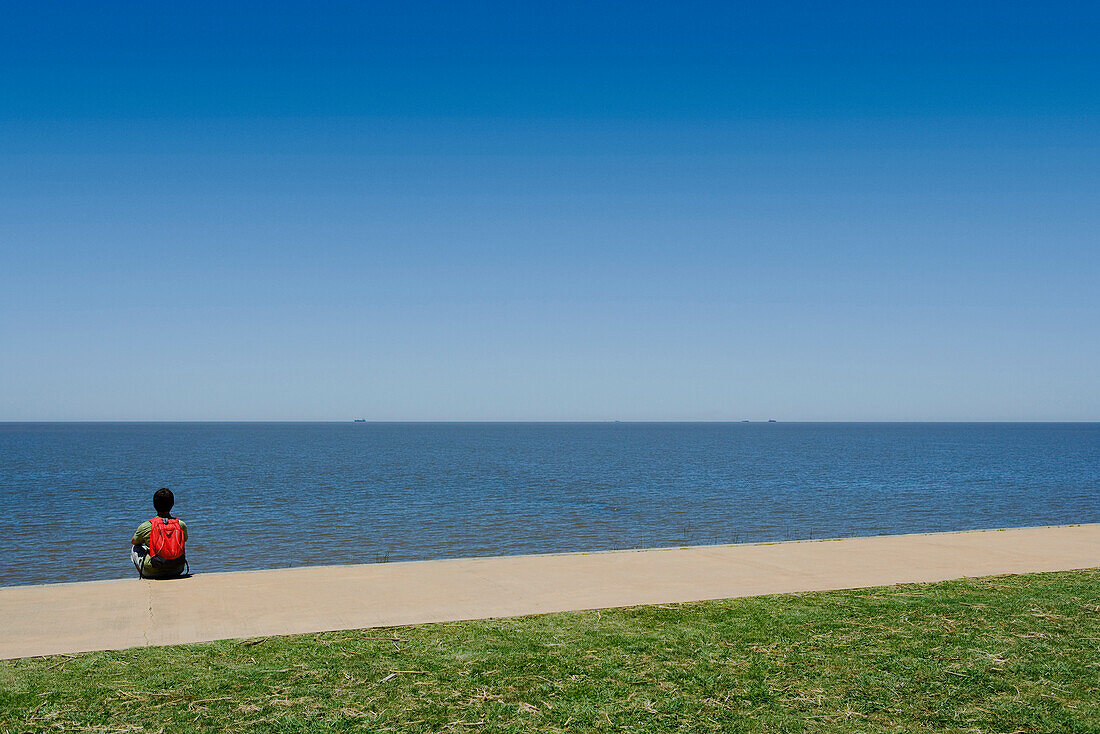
(269,495)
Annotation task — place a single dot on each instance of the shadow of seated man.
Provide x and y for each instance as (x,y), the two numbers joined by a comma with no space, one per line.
(157,548)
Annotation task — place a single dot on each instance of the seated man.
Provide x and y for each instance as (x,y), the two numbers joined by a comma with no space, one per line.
(157,550)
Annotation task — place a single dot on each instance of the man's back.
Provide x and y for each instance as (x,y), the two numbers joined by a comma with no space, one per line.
(143,537)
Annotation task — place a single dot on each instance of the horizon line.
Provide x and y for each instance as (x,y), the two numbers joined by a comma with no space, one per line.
(721,421)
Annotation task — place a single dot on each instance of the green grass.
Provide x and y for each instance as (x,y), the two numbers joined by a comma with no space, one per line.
(1002,654)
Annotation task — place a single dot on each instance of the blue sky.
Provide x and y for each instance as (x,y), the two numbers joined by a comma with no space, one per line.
(636,211)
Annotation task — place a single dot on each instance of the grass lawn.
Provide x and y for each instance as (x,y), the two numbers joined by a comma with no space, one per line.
(1002,654)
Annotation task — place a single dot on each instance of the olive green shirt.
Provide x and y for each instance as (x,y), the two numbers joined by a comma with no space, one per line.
(141,537)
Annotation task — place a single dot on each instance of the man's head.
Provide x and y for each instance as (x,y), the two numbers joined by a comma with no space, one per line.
(163,501)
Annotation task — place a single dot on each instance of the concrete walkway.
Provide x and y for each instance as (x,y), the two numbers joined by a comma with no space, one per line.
(66,618)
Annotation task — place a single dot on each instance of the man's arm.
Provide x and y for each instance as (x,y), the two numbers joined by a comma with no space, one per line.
(141,535)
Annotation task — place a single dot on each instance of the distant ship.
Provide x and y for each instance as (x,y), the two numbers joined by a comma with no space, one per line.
(771,420)
(360,420)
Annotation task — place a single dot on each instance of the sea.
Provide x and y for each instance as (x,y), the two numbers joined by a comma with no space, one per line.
(274,495)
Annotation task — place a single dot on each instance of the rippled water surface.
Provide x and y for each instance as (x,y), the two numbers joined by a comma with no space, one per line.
(292,494)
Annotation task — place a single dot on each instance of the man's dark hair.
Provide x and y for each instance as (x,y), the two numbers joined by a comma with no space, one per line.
(163,499)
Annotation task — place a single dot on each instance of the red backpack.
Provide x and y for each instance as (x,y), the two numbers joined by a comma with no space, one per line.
(166,542)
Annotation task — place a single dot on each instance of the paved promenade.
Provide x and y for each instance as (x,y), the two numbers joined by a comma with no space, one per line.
(66,618)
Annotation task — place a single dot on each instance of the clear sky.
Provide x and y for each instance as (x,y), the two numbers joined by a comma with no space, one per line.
(562,211)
